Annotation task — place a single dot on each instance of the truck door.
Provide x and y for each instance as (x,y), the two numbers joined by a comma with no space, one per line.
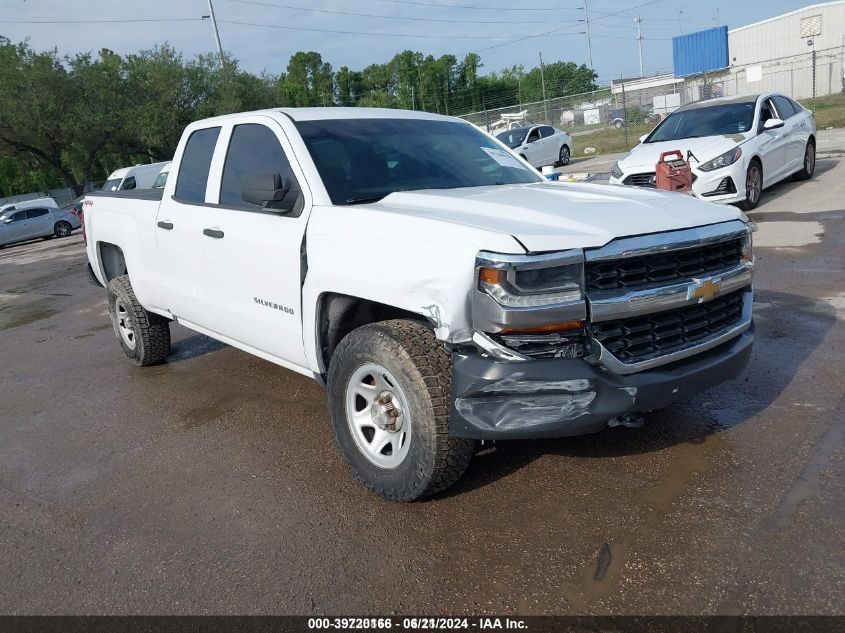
(253,255)
(180,243)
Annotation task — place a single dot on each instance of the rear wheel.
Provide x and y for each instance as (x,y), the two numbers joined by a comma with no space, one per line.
(389,389)
(62,229)
(564,156)
(809,166)
(143,336)
(753,186)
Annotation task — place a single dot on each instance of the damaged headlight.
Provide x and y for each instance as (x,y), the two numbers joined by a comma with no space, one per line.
(616,171)
(516,281)
(728,158)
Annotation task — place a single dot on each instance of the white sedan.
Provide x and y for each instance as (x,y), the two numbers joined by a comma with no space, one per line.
(539,145)
(736,147)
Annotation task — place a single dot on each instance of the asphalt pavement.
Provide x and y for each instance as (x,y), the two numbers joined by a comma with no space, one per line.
(211,484)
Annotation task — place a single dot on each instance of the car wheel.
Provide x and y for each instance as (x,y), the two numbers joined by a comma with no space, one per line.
(62,229)
(144,336)
(618,124)
(563,157)
(389,390)
(753,186)
(809,166)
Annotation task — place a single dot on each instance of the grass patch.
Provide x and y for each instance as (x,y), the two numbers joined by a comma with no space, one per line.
(829,110)
(610,140)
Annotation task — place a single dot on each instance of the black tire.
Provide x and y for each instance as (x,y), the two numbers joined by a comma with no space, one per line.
(753,186)
(409,352)
(62,229)
(150,343)
(564,155)
(809,166)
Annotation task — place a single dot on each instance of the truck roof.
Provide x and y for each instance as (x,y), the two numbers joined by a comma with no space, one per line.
(322,114)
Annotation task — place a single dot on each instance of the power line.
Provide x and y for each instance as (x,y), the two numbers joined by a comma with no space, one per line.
(477,8)
(98,21)
(388,17)
(302,28)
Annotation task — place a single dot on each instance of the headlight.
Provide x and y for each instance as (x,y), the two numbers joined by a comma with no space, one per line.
(728,158)
(615,171)
(748,245)
(525,282)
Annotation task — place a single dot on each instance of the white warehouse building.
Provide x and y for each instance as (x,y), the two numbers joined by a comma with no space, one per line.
(777,53)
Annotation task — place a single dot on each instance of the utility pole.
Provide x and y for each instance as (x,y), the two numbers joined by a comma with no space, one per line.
(216,32)
(680,23)
(543,82)
(589,45)
(638,19)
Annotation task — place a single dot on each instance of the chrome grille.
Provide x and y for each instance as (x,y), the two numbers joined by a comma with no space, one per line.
(663,268)
(641,180)
(642,338)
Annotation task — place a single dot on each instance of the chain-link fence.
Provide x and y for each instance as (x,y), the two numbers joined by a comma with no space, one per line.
(613,119)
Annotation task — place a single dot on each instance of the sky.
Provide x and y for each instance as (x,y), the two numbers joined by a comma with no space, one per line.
(263,34)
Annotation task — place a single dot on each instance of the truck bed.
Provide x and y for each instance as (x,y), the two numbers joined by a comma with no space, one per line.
(132,194)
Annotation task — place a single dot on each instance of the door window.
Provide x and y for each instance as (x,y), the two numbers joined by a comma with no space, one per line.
(36,213)
(17,217)
(533,135)
(196,160)
(766,112)
(128,183)
(546,130)
(784,107)
(254,150)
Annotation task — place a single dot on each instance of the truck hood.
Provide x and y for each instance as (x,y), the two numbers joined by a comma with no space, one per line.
(706,148)
(558,216)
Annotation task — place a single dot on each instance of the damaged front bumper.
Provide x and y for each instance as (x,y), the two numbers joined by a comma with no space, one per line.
(495,399)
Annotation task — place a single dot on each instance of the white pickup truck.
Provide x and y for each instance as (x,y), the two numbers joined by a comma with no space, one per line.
(440,288)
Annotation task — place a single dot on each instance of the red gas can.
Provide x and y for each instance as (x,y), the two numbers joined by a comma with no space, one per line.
(673,175)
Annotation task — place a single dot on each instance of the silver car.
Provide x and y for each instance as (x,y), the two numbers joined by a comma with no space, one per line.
(18,225)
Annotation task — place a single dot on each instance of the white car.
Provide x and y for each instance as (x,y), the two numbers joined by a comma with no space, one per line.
(161,179)
(540,145)
(137,177)
(34,221)
(736,147)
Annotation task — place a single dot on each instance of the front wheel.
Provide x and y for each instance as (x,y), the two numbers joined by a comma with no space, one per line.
(564,155)
(144,336)
(389,389)
(753,186)
(62,229)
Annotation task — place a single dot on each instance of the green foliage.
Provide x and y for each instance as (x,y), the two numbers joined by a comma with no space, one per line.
(73,119)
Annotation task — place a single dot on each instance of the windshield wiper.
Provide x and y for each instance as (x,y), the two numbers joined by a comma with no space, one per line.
(365,199)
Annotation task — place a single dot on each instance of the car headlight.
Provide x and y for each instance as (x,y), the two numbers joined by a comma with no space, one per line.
(526,281)
(728,158)
(615,171)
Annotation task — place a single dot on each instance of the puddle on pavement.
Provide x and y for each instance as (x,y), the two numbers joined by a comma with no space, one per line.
(601,575)
(205,414)
(16,316)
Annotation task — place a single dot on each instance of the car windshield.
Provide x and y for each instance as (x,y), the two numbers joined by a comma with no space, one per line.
(513,138)
(363,160)
(112,185)
(728,118)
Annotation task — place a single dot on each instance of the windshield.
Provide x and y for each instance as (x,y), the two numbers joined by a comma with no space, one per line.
(111,185)
(513,138)
(363,160)
(729,118)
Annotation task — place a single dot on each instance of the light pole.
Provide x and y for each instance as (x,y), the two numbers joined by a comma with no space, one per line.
(589,44)
(216,32)
(638,19)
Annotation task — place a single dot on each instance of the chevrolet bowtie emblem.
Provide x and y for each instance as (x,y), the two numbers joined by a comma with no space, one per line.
(704,290)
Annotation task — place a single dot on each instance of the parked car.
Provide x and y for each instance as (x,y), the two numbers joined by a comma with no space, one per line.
(19,225)
(24,204)
(161,179)
(75,207)
(540,145)
(632,115)
(736,147)
(440,287)
(137,177)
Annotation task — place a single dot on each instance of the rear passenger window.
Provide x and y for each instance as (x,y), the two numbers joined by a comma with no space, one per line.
(253,150)
(36,213)
(783,106)
(196,160)
(546,130)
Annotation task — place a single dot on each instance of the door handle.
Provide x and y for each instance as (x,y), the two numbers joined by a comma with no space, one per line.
(215,233)
(167,226)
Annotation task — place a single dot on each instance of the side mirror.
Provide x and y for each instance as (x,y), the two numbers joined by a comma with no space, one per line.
(269,191)
(643,138)
(773,124)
